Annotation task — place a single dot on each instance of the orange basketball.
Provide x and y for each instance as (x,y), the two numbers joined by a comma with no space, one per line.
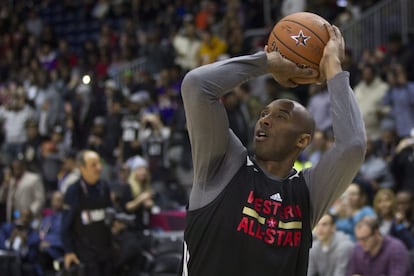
(301,38)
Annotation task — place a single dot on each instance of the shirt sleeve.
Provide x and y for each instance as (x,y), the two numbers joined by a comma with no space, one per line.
(344,254)
(68,218)
(39,195)
(339,165)
(207,122)
(398,258)
(352,266)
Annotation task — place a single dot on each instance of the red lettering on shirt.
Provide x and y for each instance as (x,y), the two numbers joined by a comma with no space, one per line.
(270,236)
(296,238)
(250,198)
(251,231)
(258,204)
(288,239)
(266,207)
(243,225)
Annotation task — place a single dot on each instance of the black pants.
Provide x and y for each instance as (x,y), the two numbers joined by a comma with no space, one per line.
(98,268)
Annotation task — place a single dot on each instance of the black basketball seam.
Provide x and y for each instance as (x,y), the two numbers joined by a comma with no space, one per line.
(274,34)
(304,26)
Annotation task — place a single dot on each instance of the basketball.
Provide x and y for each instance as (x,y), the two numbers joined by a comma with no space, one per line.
(301,38)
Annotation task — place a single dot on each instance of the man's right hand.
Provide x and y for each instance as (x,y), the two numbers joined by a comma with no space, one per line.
(283,70)
(69,259)
(333,54)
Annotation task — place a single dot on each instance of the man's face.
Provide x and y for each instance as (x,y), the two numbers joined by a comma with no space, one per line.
(354,195)
(366,238)
(25,218)
(57,201)
(384,204)
(368,75)
(325,228)
(277,130)
(92,168)
(403,201)
(18,168)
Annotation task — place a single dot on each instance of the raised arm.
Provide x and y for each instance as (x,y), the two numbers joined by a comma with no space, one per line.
(207,121)
(216,152)
(337,168)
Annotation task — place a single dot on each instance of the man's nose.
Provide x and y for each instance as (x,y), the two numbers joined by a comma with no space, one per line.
(265,121)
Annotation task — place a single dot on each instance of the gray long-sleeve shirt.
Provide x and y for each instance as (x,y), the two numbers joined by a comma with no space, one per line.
(332,260)
(218,154)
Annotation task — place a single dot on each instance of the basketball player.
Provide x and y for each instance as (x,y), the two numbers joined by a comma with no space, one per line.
(254,215)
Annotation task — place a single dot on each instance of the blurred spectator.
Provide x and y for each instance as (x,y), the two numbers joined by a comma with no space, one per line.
(69,173)
(330,251)
(369,93)
(82,111)
(47,101)
(231,28)
(51,247)
(374,172)
(65,55)
(376,254)
(120,191)
(154,138)
(292,6)
(168,89)
(13,116)
(186,44)
(403,227)
(34,23)
(349,65)
(391,220)
(385,147)
(321,142)
(275,91)
(85,235)
(158,51)
(402,165)
(400,100)
(131,127)
(52,151)
(237,121)
(32,147)
(205,15)
(113,134)
(22,190)
(399,53)
(211,48)
(141,196)
(250,107)
(319,106)
(385,207)
(19,237)
(47,57)
(352,209)
(96,135)
(128,246)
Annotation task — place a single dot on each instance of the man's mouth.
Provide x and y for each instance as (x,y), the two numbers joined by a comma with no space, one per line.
(260,135)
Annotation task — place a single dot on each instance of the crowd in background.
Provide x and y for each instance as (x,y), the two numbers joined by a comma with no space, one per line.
(61,92)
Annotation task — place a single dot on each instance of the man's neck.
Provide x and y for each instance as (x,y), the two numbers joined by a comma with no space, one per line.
(279,169)
(90,182)
(327,242)
(375,250)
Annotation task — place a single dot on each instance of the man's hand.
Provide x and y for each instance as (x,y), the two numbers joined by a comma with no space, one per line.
(333,54)
(283,70)
(44,245)
(69,259)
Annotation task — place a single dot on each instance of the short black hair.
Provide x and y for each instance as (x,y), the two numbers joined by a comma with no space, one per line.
(370,221)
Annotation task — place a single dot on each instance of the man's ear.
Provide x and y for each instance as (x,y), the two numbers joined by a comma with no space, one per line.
(304,140)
